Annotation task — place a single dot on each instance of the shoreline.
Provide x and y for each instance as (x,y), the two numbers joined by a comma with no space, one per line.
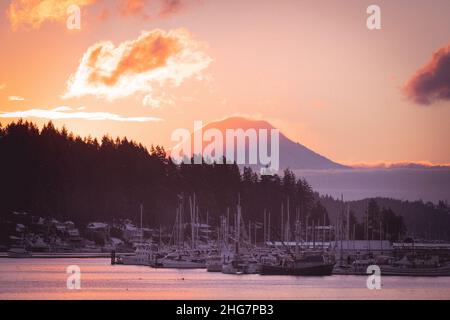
(61,255)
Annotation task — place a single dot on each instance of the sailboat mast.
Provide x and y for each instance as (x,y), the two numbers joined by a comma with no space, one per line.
(227,231)
(348,222)
(265,227)
(191,211)
(141,233)
(288,222)
(282,222)
(238,224)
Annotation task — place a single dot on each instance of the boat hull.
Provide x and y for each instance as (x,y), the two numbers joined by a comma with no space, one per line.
(395,271)
(310,270)
(417,273)
(132,260)
(214,267)
(241,268)
(229,269)
(180,264)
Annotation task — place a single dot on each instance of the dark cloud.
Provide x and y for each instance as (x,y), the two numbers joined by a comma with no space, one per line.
(431,82)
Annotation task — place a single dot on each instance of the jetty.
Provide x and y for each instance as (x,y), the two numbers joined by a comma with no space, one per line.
(78,255)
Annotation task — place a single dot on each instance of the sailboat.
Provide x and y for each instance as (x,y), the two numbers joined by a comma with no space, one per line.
(144,253)
(182,258)
(239,263)
(216,258)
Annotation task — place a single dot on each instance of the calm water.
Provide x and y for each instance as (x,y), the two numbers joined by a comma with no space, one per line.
(46,279)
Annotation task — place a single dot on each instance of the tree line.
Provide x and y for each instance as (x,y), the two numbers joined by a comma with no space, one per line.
(50,172)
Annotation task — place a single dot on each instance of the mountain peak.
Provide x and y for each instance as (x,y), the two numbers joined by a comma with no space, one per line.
(293,155)
(239,123)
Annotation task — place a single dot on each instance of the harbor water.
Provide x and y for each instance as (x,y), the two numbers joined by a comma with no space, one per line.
(47,279)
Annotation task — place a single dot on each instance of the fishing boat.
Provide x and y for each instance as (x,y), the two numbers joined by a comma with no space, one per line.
(313,265)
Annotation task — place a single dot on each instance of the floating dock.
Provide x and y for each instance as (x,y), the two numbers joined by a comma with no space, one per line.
(58,255)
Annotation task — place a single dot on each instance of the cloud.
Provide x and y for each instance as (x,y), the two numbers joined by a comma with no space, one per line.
(2,86)
(131,7)
(32,13)
(165,8)
(16,98)
(65,112)
(145,66)
(432,81)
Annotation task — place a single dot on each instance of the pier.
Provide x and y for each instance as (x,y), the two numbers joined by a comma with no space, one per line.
(56,255)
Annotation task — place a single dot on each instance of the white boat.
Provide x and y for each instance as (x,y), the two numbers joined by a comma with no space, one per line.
(145,253)
(238,262)
(19,253)
(143,256)
(180,261)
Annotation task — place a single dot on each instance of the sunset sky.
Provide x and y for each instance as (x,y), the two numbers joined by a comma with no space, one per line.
(312,68)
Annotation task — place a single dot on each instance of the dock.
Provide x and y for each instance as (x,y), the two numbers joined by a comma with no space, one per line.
(59,255)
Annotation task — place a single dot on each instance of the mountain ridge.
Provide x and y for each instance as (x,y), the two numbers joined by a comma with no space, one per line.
(293,155)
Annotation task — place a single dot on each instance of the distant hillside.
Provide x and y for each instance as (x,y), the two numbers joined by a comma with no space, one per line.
(428,184)
(401,165)
(422,219)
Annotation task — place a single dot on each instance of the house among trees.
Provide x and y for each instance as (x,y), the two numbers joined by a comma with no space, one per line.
(99,232)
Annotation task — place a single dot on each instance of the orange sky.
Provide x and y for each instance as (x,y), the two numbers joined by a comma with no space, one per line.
(144,68)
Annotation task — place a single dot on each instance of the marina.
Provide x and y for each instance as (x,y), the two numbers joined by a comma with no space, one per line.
(233,252)
(230,248)
(267,261)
